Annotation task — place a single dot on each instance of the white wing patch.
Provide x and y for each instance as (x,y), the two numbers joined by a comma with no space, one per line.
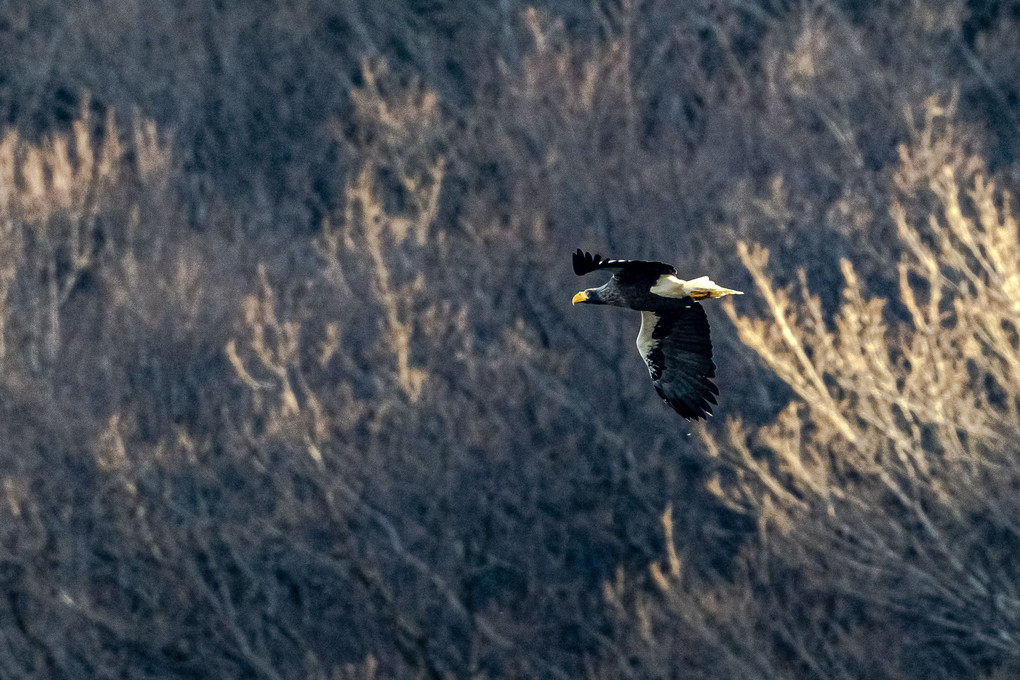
(645,343)
(700,288)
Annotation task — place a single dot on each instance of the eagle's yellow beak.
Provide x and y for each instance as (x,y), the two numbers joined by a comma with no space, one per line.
(579,297)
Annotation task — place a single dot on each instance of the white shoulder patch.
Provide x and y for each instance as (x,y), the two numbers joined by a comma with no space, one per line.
(698,289)
(669,286)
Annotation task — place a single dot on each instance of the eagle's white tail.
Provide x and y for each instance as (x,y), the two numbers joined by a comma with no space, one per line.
(703,288)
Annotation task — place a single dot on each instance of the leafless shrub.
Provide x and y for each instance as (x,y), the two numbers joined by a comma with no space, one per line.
(885,485)
(51,202)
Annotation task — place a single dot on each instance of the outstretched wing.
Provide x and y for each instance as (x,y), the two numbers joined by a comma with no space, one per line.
(677,349)
(586,262)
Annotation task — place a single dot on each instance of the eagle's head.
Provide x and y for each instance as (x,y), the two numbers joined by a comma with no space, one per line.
(608,294)
(590,296)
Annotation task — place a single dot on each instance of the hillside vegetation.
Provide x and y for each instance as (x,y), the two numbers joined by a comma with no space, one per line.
(291,387)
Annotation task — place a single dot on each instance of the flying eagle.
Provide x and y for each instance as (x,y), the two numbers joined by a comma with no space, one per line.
(674,337)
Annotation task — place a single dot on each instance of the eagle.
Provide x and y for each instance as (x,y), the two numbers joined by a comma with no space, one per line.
(674,338)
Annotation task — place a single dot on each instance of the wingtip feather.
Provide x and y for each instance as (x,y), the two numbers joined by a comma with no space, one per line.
(584,262)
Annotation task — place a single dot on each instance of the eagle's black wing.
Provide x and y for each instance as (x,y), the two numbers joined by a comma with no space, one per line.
(677,349)
(586,262)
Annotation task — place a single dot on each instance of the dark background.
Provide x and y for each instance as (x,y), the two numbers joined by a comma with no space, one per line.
(290,384)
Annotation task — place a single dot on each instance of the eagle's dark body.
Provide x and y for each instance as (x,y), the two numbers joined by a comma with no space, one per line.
(674,339)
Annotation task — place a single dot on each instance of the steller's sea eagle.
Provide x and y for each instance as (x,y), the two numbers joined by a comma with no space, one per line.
(674,337)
